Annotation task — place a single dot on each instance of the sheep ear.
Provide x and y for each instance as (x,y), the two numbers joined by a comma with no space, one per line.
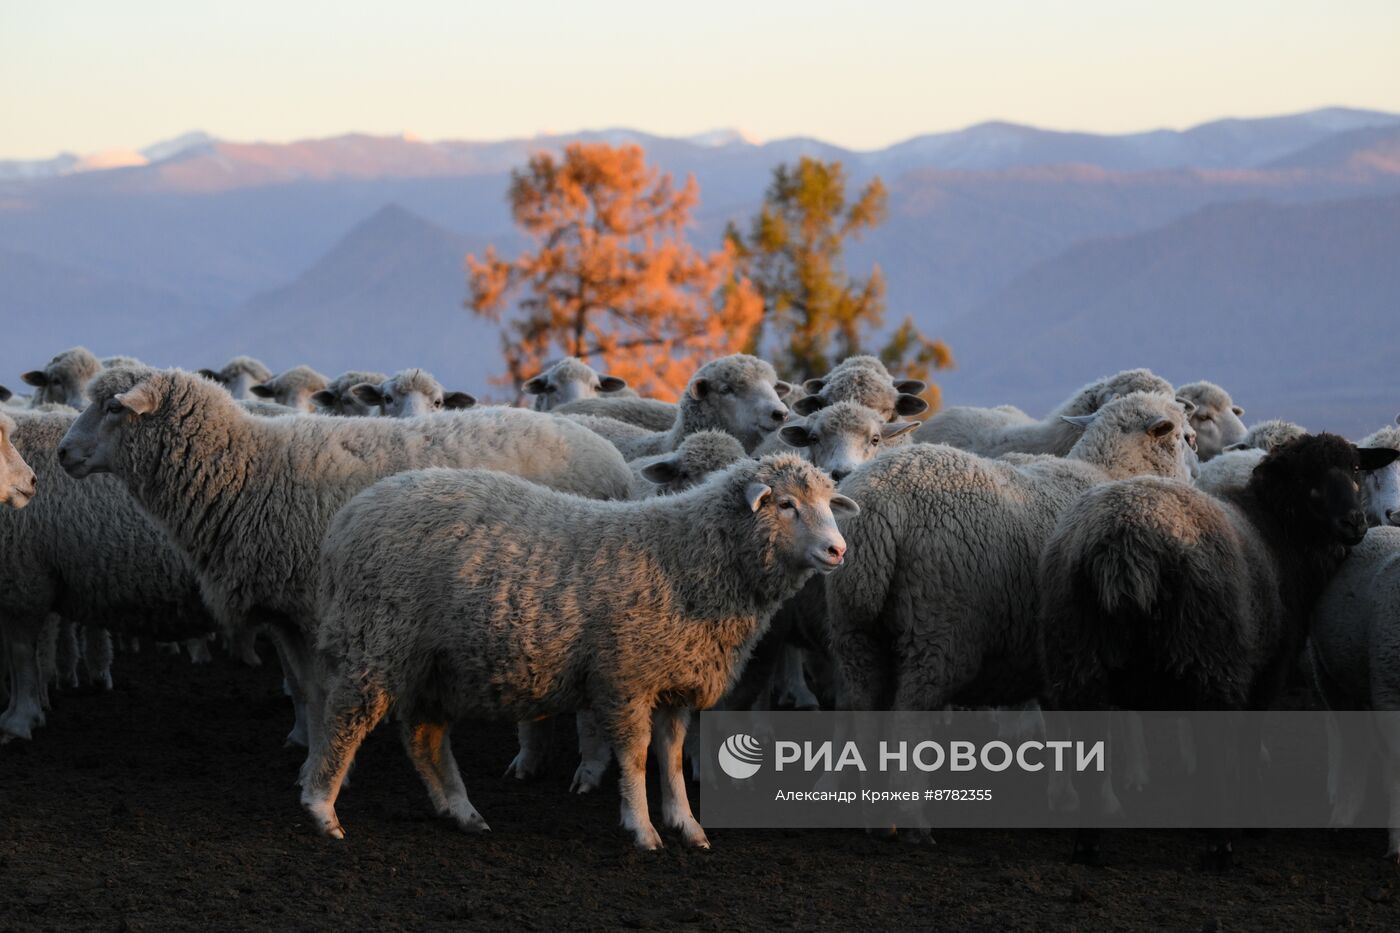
(456,401)
(210,375)
(782,388)
(699,388)
(813,386)
(660,472)
(909,405)
(795,435)
(139,400)
(755,493)
(5,394)
(895,428)
(325,398)
(263,390)
(1239,412)
(1082,421)
(1187,404)
(808,404)
(368,394)
(1373,458)
(844,505)
(36,378)
(911,386)
(1239,446)
(1161,427)
(535,386)
(611,383)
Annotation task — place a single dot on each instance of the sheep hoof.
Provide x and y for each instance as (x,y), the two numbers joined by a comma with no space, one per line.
(647,839)
(468,820)
(587,778)
(525,766)
(334,832)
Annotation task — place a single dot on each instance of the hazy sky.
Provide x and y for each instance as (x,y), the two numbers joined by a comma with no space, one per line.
(86,75)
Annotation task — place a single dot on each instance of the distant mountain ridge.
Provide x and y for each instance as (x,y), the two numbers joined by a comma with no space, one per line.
(1045,258)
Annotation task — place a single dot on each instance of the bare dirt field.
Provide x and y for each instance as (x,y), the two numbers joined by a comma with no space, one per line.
(168,804)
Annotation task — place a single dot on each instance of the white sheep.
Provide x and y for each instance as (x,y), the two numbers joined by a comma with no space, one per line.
(992,432)
(699,455)
(87,552)
(293,388)
(865,381)
(740,395)
(248,498)
(649,413)
(445,594)
(62,380)
(1354,647)
(239,375)
(17,478)
(337,398)
(1157,595)
(1216,418)
(570,380)
(1380,489)
(410,393)
(938,604)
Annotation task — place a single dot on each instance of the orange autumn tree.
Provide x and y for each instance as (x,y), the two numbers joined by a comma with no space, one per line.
(611,278)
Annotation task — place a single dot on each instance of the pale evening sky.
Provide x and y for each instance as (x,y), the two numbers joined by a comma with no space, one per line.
(88,75)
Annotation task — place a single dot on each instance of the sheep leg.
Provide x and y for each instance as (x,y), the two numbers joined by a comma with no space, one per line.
(791,690)
(198,649)
(429,746)
(243,645)
(1135,770)
(1348,764)
(97,656)
(291,654)
(350,712)
(595,752)
(630,731)
(533,736)
(68,654)
(46,653)
(25,712)
(668,725)
(1387,720)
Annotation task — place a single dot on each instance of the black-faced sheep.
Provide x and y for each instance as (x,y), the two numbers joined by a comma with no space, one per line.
(939,602)
(1216,418)
(1155,595)
(249,498)
(444,595)
(992,432)
(410,393)
(239,375)
(293,388)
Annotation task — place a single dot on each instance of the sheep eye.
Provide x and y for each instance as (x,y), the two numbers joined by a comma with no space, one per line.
(113,406)
(388,400)
(788,504)
(437,403)
(875,439)
(726,390)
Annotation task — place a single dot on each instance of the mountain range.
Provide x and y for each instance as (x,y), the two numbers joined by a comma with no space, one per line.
(1045,258)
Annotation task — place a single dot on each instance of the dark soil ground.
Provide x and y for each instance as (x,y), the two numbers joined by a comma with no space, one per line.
(168,804)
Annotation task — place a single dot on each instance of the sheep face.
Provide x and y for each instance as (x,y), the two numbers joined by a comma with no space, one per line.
(62,381)
(1313,485)
(1218,428)
(746,400)
(567,381)
(17,480)
(795,508)
(1380,493)
(864,386)
(699,455)
(293,388)
(410,393)
(842,437)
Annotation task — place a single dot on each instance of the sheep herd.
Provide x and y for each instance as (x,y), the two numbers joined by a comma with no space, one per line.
(626,561)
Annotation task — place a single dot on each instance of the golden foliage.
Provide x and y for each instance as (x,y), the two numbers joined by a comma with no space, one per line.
(611,279)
